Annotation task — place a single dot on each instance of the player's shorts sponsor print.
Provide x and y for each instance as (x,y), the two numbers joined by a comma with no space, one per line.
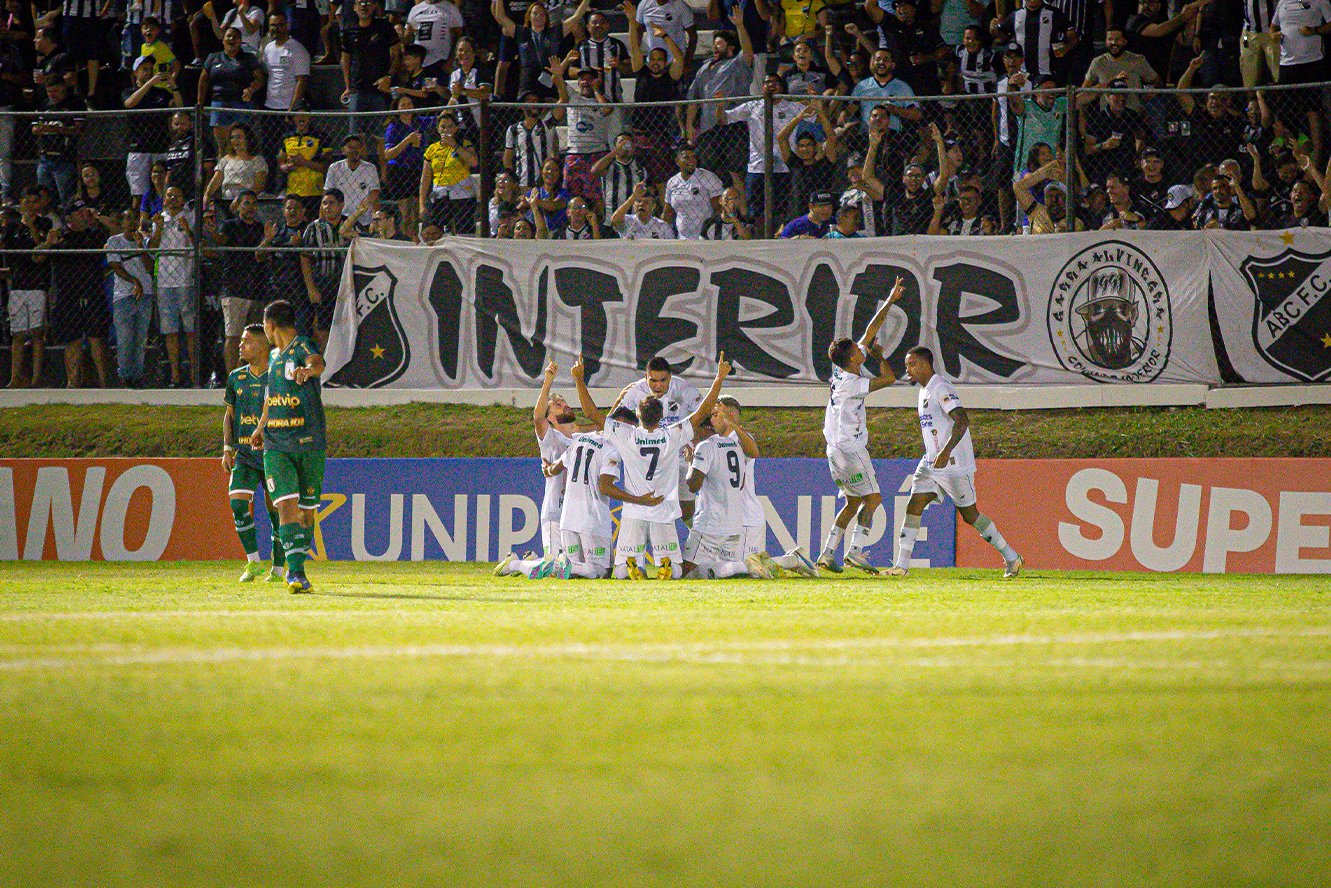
(584,548)
(295,475)
(635,535)
(245,479)
(959,486)
(852,471)
(701,547)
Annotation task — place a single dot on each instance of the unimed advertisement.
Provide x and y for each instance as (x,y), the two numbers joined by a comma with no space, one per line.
(1210,515)
(377,510)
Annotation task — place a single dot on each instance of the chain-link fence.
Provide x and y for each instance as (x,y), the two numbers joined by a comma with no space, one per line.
(144,241)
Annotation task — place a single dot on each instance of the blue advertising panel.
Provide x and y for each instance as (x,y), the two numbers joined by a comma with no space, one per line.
(480,509)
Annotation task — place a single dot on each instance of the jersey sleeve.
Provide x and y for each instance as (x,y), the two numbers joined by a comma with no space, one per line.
(610,460)
(948,398)
(702,457)
(680,435)
(229,396)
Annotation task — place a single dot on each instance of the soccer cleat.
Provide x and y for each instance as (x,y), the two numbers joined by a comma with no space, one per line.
(857,560)
(276,575)
(806,567)
(531,555)
(757,569)
(543,570)
(1013,567)
(297,584)
(663,571)
(635,572)
(253,570)
(501,569)
(563,568)
(895,571)
(828,563)
(773,569)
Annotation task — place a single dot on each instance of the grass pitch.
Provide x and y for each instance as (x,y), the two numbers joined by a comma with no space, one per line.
(427,724)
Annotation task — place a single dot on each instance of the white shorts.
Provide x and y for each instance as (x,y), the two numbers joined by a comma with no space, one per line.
(239,313)
(702,548)
(27,311)
(852,471)
(635,534)
(585,548)
(959,486)
(755,541)
(552,538)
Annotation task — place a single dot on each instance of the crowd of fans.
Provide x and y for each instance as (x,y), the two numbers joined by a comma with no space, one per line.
(268,194)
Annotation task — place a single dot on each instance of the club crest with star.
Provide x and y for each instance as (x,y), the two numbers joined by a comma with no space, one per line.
(1291,323)
(381,353)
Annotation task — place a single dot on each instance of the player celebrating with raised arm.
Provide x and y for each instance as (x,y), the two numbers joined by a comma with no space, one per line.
(847,437)
(291,433)
(678,399)
(650,454)
(244,405)
(591,464)
(948,465)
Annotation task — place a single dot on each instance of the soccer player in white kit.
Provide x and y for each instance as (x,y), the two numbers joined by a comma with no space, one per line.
(650,456)
(678,399)
(847,436)
(591,466)
(553,420)
(948,465)
(720,543)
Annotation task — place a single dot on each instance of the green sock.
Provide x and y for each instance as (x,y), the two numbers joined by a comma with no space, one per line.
(290,535)
(279,551)
(244,521)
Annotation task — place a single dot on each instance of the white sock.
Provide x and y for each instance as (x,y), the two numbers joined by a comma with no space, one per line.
(833,540)
(252,556)
(857,537)
(787,561)
(910,529)
(621,572)
(519,566)
(994,538)
(586,570)
(725,569)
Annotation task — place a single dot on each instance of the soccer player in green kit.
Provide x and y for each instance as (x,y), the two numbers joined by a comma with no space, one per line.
(291,433)
(244,405)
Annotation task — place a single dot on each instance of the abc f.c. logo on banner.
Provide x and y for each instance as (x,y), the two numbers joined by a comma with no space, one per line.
(1109,315)
(1291,322)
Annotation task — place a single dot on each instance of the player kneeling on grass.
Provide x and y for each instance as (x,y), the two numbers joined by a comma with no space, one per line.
(948,465)
(847,436)
(291,433)
(650,456)
(722,476)
(244,405)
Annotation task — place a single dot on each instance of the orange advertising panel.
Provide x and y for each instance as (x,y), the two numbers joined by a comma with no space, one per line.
(1207,515)
(115,510)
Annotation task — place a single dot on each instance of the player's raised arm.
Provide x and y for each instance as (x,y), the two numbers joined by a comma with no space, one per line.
(697,417)
(885,375)
(594,416)
(543,400)
(747,443)
(876,322)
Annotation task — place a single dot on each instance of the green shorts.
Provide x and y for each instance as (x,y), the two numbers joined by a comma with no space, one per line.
(245,479)
(295,475)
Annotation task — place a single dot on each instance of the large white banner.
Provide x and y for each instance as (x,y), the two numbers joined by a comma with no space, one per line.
(1099,307)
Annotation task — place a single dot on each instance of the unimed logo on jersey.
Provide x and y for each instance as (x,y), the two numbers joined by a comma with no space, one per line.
(382,352)
(1291,321)
(1109,315)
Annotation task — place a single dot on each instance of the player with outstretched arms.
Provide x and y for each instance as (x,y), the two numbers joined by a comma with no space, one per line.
(553,420)
(847,436)
(291,433)
(678,399)
(948,465)
(650,456)
(244,405)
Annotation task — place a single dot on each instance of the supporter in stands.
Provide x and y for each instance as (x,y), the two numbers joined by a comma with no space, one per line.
(1228,206)
(173,239)
(403,157)
(1150,183)
(205,28)
(28,281)
(619,172)
(302,159)
(812,166)
(883,90)
(504,202)
(321,265)
(529,142)
(179,158)
(848,223)
(803,77)
(962,217)
(675,18)
(727,74)
(239,170)
(1042,116)
(57,132)
(151,203)
(51,63)
(550,197)
(1299,26)
(915,44)
(1125,211)
(279,252)
(760,17)
(467,86)
(307,20)
(600,52)
(1306,208)
(729,222)
(84,34)
(286,65)
(1111,136)
(446,195)
(1045,36)
(1176,211)
(243,288)
(434,25)
(104,202)
(149,134)
(581,223)
(79,310)
(865,194)
(1152,36)
(1260,54)
(1215,129)
(754,115)
(1052,215)
(1118,64)
(910,207)
(692,196)
(640,224)
(657,78)
(815,223)
(535,44)
(588,118)
(230,79)
(246,18)
(356,179)
(371,54)
(131,295)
